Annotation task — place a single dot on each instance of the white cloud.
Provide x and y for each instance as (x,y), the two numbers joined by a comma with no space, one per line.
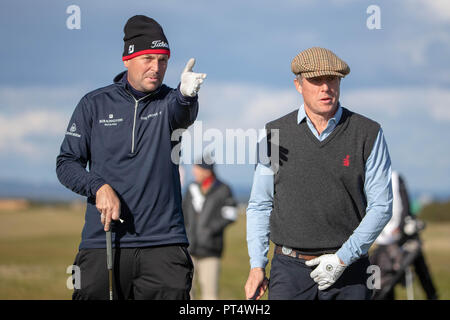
(243,105)
(17,99)
(417,47)
(433,10)
(33,119)
(22,132)
(428,103)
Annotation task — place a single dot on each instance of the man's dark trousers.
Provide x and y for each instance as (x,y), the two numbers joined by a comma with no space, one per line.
(290,280)
(148,273)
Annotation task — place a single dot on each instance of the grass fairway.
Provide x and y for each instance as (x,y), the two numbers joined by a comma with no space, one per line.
(37,245)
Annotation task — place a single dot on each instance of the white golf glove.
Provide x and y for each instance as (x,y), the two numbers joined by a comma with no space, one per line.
(329,269)
(191,81)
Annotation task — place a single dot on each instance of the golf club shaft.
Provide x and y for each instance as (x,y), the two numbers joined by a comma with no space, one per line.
(109,262)
(110,285)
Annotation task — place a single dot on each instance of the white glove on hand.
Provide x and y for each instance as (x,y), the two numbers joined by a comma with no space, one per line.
(191,81)
(329,269)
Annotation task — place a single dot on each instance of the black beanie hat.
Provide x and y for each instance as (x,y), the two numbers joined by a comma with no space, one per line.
(143,35)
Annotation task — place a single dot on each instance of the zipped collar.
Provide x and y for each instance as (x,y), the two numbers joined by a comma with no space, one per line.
(121,80)
(214,184)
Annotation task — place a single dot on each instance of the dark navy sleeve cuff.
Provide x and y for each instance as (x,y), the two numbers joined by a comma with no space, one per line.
(96,184)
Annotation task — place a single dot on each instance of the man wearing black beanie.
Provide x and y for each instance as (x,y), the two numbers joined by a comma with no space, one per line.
(144,39)
(123,132)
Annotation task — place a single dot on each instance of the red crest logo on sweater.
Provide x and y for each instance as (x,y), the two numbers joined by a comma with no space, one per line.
(346,161)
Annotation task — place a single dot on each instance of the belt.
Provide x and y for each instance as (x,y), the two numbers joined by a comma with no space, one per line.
(286,251)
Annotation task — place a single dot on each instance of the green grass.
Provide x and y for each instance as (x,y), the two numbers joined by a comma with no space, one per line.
(37,245)
(436,212)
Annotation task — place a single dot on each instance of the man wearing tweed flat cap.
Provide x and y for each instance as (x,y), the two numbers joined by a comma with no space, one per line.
(315,62)
(325,199)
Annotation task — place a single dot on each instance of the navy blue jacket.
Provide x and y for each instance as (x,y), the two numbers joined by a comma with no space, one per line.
(127,144)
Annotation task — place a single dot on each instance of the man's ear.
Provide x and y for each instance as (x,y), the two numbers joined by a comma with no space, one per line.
(126,63)
(298,86)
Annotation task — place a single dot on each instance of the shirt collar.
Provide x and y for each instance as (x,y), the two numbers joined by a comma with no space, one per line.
(302,114)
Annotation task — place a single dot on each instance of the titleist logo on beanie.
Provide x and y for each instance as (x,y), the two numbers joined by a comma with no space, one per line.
(143,35)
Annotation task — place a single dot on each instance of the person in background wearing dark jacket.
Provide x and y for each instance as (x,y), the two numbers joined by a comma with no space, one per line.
(208,207)
(399,247)
(123,132)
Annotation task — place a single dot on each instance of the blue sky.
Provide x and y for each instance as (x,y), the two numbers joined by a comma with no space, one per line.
(400,74)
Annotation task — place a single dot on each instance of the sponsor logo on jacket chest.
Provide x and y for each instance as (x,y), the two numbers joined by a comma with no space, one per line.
(110,121)
(151,115)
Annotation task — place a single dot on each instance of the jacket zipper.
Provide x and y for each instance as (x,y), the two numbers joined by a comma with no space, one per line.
(136,104)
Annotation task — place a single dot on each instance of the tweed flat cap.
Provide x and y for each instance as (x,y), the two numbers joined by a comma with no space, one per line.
(315,62)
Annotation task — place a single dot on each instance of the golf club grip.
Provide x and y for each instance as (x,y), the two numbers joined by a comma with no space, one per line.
(109,250)
(256,294)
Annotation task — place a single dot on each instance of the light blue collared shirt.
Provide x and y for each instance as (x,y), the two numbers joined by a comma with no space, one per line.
(377,188)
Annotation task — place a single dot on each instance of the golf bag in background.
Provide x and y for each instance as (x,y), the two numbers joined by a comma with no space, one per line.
(397,259)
